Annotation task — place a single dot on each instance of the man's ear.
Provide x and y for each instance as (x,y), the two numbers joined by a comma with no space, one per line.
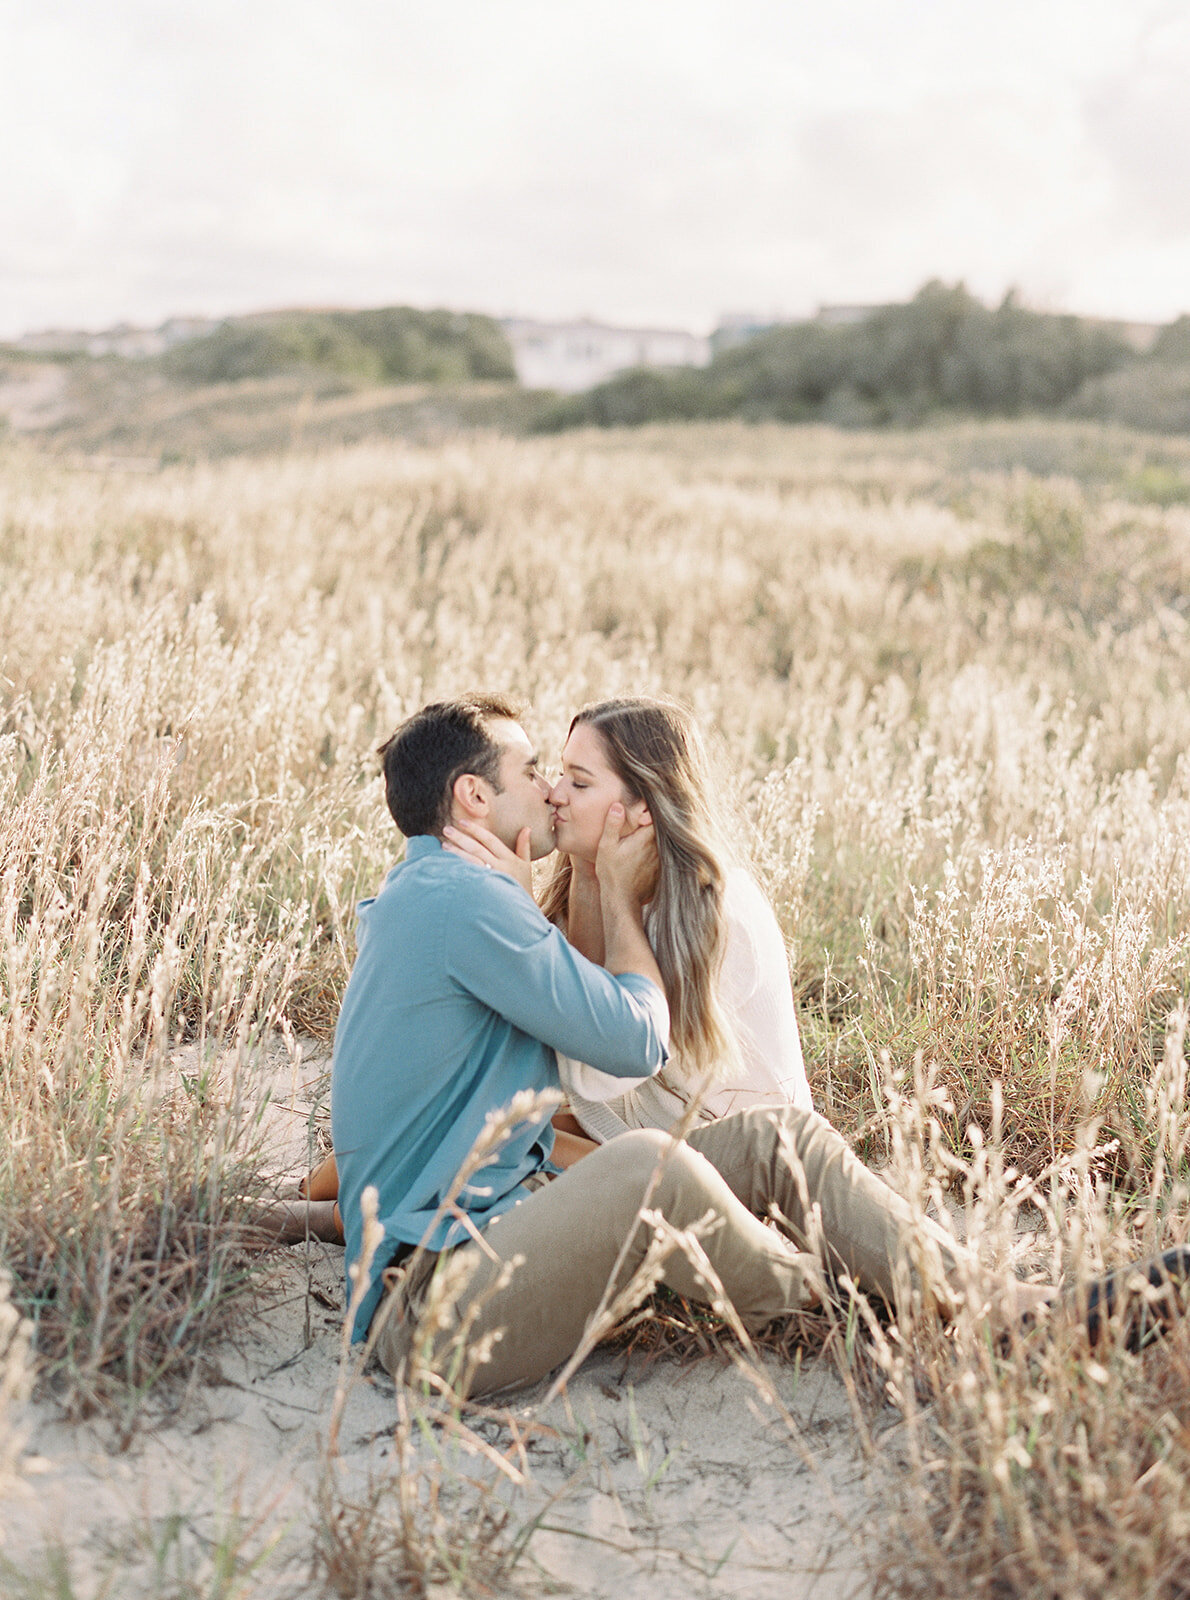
(470,796)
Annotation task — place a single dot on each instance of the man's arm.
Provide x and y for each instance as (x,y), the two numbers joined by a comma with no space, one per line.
(584,913)
(474,842)
(503,952)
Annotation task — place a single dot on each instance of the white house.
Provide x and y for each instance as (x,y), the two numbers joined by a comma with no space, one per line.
(122,340)
(569,356)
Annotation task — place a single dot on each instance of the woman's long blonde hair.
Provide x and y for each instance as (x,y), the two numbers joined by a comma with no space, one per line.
(655,749)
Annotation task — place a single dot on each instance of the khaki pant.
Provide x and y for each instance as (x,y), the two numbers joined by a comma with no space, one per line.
(786,1164)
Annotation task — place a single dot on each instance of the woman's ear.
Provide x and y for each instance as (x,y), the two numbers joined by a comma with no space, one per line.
(637,813)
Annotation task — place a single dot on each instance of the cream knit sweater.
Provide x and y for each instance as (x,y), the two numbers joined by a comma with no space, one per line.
(758,1004)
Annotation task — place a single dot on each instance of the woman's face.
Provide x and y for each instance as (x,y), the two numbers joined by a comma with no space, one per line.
(582,795)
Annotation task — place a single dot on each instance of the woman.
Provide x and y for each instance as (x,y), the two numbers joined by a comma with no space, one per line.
(733,1033)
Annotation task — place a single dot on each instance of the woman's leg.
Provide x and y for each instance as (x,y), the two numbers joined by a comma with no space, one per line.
(315,1216)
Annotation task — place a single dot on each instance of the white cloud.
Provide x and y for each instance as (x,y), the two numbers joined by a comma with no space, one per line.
(663,159)
(1138,118)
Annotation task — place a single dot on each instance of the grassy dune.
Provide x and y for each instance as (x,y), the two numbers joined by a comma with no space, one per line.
(946,673)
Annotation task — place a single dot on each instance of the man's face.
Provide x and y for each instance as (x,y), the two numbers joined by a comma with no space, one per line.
(522,802)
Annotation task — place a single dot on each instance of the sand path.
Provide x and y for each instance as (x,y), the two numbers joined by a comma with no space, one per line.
(656,1478)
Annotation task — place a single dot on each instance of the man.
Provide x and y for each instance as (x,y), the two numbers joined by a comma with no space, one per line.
(459,998)
(461,991)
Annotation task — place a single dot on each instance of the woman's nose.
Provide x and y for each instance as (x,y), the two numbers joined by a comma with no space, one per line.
(555,793)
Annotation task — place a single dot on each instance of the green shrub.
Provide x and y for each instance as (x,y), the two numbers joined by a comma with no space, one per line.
(393,344)
(943,352)
(1153,395)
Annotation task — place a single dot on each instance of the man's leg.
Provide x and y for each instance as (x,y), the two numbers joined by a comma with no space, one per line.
(791,1165)
(570,1234)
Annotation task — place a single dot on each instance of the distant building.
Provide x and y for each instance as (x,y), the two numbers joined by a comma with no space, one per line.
(125,340)
(568,356)
(180,330)
(844,315)
(122,340)
(52,342)
(737,327)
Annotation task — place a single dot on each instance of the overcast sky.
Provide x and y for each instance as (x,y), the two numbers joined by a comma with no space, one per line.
(658,161)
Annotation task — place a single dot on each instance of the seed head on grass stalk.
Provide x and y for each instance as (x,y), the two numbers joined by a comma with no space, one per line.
(1027,1462)
(124,1178)
(977,754)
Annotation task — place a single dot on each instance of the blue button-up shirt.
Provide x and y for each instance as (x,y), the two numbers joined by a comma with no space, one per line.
(460,995)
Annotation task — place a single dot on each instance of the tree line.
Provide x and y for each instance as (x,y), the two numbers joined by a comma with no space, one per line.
(391,344)
(942,352)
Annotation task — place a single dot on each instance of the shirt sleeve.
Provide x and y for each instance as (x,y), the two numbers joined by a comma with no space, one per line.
(504,952)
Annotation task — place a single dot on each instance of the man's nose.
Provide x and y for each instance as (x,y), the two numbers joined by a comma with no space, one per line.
(554,792)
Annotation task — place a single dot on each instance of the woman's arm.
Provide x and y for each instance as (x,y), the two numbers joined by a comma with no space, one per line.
(584,912)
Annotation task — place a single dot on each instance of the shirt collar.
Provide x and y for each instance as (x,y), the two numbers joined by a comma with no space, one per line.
(422,844)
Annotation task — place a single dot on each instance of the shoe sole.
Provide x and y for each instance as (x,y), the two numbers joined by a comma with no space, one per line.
(1151,1311)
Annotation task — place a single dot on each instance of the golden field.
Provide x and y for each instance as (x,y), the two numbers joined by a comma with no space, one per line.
(946,674)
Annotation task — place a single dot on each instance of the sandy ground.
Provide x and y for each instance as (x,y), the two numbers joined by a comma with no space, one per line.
(660,1479)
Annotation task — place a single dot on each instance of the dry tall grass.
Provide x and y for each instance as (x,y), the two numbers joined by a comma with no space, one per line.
(950,689)
(1030,1462)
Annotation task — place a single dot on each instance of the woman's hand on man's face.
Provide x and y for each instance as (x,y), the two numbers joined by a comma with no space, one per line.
(474,842)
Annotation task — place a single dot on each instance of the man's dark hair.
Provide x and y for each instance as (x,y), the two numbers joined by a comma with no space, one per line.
(434,747)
